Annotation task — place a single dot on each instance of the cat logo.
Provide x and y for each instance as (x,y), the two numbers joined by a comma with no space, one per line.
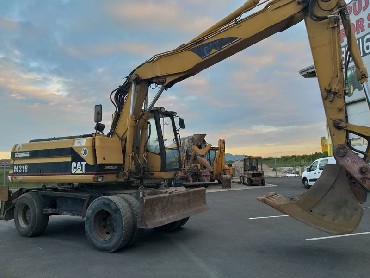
(78,167)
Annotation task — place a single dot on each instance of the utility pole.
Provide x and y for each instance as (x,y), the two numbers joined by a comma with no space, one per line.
(4,172)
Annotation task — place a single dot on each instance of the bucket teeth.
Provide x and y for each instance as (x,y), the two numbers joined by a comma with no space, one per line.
(274,200)
(329,205)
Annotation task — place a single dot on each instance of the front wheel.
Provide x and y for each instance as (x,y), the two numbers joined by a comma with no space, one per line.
(29,218)
(109,223)
(305,183)
(242,180)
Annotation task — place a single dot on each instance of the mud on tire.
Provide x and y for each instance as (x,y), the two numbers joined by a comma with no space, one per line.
(109,223)
(29,218)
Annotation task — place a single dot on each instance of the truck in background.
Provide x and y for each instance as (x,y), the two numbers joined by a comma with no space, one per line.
(313,172)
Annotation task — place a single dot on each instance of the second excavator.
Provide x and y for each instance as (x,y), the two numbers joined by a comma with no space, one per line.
(202,163)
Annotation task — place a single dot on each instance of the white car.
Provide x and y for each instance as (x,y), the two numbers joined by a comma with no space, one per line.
(313,172)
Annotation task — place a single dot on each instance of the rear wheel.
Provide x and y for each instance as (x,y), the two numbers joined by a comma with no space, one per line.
(173,226)
(109,223)
(29,218)
(263,182)
(135,208)
(242,180)
(183,221)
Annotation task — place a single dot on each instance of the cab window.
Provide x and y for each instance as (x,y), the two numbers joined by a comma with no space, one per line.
(322,164)
(314,166)
(153,142)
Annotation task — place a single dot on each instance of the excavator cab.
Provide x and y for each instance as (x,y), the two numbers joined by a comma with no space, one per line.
(162,144)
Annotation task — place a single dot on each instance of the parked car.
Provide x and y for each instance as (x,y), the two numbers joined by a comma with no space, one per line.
(313,172)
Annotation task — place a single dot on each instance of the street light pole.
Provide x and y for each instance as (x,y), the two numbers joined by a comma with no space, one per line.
(4,174)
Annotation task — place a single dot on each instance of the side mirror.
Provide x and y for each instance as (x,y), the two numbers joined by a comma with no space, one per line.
(181,123)
(99,127)
(98,113)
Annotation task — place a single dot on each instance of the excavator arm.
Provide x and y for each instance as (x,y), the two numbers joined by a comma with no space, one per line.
(327,208)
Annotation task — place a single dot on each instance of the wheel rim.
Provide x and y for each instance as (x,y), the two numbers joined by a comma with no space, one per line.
(103,225)
(24,217)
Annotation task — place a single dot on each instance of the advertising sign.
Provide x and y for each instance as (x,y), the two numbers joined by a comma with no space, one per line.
(356,99)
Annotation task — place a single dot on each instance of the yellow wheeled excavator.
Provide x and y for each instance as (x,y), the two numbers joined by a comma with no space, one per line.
(103,177)
(202,163)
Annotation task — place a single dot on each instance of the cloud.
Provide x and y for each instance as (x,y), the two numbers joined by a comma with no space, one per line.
(59,58)
(30,85)
(108,49)
(4,155)
(167,15)
(8,25)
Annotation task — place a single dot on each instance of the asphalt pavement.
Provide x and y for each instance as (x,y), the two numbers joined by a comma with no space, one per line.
(237,237)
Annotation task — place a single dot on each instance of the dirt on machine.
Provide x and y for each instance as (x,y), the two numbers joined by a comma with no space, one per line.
(115,180)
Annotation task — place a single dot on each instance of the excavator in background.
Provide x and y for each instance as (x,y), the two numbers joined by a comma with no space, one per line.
(252,173)
(202,163)
(103,177)
(221,172)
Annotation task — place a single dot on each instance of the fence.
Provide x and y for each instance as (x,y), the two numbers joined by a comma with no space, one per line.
(4,168)
(274,167)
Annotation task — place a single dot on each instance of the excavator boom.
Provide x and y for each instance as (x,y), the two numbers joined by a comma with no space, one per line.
(143,140)
(242,29)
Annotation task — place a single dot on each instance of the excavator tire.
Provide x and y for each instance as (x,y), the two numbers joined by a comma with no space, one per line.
(29,218)
(109,223)
(183,221)
(173,226)
(135,208)
(242,180)
(250,182)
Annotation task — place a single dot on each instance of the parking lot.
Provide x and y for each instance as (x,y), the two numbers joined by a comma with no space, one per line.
(237,237)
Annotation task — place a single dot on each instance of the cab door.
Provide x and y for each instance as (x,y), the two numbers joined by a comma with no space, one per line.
(321,166)
(312,173)
(316,169)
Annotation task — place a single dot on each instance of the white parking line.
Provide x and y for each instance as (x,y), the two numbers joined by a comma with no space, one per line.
(265,217)
(337,236)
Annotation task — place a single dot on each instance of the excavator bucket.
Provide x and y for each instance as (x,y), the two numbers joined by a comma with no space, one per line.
(329,205)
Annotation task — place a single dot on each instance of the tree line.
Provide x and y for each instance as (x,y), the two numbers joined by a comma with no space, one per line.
(291,160)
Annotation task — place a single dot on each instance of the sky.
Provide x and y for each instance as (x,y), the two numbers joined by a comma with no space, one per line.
(59,58)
